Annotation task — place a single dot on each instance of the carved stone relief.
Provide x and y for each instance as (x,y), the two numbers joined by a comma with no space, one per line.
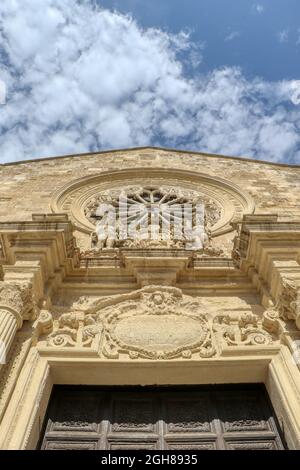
(158,322)
(42,325)
(246,330)
(225,203)
(75,329)
(169,204)
(289,301)
(159,326)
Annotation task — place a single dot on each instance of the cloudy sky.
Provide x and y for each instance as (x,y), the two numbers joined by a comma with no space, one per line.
(208,75)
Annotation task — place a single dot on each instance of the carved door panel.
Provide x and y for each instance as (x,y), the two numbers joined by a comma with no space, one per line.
(160,418)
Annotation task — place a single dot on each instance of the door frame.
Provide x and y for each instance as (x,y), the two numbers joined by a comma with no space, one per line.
(23,420)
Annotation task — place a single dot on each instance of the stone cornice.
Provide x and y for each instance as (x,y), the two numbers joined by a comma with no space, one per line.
(261,234)
(40,251)
(268,251)
(52,229)
(151,148)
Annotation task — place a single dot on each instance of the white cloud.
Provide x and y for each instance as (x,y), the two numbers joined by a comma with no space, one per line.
(283,35)
(232,35)
(82,79)
(293,89)
(258,8)
(2,92)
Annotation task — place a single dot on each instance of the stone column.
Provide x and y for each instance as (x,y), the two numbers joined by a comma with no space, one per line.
(15,303)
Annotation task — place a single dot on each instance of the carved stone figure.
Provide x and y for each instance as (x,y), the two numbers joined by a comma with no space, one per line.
(98,243)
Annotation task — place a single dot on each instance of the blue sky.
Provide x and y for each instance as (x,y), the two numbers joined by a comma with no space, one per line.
(259,36)
(208,75)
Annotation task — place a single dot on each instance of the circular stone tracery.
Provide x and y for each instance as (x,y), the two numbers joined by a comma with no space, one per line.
(162,198)
(225,202)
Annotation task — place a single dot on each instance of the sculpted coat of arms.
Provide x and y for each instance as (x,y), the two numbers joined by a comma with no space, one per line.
(156,322)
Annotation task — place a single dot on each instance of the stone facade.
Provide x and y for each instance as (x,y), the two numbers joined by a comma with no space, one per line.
(76,310)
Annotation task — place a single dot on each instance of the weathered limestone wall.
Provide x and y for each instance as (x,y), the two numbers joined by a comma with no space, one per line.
(27,187)
(82,323)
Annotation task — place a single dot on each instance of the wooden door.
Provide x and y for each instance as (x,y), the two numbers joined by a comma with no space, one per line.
(161,419)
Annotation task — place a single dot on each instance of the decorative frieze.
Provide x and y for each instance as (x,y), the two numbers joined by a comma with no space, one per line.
(75,329)
(158,323)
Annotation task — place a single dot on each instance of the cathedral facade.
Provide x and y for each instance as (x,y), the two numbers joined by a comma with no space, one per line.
(150,299)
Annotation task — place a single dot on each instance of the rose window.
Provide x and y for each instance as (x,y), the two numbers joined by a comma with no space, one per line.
(158,214)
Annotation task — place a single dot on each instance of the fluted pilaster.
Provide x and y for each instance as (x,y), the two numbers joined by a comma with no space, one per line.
(8,328)
(15,302)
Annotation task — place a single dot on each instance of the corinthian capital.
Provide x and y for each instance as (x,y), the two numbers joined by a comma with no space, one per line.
(17,298)
(289,301)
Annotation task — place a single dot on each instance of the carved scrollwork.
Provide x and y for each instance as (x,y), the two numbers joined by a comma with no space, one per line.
(74,329)
(152,323)
(246,330)
(159,324)
(43,325)
(271,320)
(69,320)
(63,337)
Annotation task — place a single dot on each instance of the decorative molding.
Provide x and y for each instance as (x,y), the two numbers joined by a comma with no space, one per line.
(255,229)
(271,321)
(162,324)
(43,325)
(75,329)
(246,330)
(38,234)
